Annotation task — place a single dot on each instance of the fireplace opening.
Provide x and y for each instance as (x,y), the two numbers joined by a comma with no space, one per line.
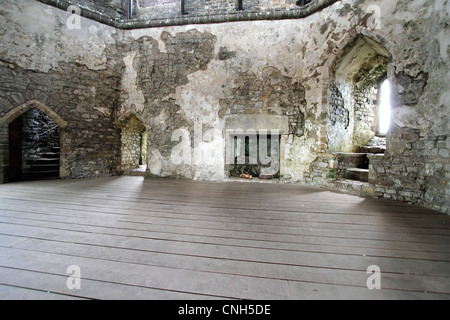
(257,155)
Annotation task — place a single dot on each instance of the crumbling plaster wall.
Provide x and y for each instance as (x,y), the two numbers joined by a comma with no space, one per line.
(232,82)
(184,82)
(238,77)
(229,79)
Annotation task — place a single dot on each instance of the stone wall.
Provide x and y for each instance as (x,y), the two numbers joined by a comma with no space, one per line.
(415,168)
(136,14)
(367,95)
(90,138)
(118,10)
(272,93)
(366,107)
(78,81)
(156,9)
(289,69)
(338,133)
(323,170)
(184,82)
(212,6)
(163,9)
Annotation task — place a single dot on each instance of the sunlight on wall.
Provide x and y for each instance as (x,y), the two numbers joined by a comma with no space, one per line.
(384,116)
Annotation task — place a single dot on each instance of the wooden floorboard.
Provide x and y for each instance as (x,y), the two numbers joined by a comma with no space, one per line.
(136,238)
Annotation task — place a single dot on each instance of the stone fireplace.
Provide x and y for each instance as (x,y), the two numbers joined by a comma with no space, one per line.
(254,145)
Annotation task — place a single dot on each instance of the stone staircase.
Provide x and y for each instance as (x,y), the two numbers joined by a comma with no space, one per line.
(355,166)
(45,167)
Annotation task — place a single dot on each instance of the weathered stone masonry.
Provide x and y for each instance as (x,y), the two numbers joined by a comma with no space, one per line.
(273,94)
(175,77)
(90,141)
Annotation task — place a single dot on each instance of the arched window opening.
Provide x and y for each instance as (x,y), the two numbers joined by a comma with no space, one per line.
(358,104)
(240,5)
(130,9)
(384,108)
(358,118)
(183,8)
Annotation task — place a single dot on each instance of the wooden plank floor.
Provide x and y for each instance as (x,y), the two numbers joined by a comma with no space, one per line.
(136,238)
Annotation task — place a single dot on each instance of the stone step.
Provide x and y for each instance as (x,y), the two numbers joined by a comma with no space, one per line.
(45,161)
(51,155)
(353,160)
(358,174)
(371,150)
(44,167)
(41,175)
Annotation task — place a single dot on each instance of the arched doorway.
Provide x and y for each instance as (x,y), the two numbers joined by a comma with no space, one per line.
(133,146)
(31,144)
